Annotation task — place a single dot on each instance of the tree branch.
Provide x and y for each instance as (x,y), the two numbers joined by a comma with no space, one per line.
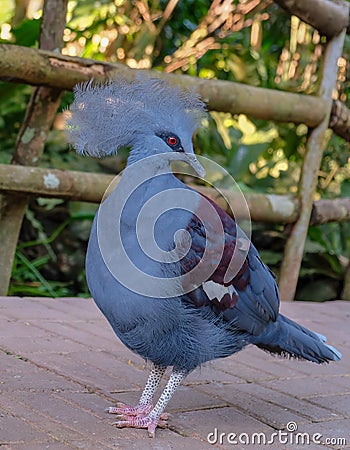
(340,120)
(315,144)
(39,67)
(337,210)
(345,295)
(328,17)
(90,187)
(40,113)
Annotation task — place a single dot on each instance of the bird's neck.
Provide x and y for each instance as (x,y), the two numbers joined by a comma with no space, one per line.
(149,168)
(146,148)
(147,176)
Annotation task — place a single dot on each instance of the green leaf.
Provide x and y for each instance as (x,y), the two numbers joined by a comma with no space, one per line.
(242,156)
(270,258)
(37,274)
(27,32)
(345,188)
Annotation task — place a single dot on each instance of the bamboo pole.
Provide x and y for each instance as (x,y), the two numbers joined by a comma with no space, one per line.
(54,183)
(295,245)
(345,295)
(31,139)
(328,17)
(90,187)
(340,120)
(262,207)
(38,67)
(324,211)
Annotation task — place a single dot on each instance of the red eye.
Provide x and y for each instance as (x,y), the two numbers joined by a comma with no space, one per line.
(172,140)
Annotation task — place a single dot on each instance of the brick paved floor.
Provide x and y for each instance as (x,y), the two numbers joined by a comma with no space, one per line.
(61,365)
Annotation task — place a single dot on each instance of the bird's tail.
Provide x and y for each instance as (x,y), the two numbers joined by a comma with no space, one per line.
(287,338)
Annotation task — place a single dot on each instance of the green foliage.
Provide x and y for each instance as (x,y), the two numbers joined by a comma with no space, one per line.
(262,156)
(37,259)
(29,281)
(27,32)
(324,262)
(14,99)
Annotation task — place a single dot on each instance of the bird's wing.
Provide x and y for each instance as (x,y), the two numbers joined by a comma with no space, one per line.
(249,297)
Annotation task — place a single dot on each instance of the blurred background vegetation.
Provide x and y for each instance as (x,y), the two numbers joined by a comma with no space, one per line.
(247,41)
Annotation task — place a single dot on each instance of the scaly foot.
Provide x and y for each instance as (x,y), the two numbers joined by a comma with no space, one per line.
(126,410)
(142,422)
(137,417)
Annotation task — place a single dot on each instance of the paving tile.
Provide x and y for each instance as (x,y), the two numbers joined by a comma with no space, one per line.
(338,404)
(19,374)
(306,409)
(77,370)
(210,424)
(61,365)
(15,430)
(165,439)
(272,366)
(235,366)
(15,308)
(50,343)
(185,399)
(304,388)
(45,445)
(55,406)
(210,373)
(334,433)
(266,412)
(341,368)
(83,334)
(20,329)
(133,368)
(36,420)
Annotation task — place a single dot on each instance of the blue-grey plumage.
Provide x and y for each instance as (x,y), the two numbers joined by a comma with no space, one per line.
(219,316)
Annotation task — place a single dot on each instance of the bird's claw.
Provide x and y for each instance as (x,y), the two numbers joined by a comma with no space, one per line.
(137,417)
(142,422)
(126,410)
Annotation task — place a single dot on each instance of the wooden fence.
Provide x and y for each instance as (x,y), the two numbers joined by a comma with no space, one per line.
(52,72)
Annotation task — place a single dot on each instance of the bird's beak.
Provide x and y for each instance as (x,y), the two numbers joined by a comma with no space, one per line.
(194,163)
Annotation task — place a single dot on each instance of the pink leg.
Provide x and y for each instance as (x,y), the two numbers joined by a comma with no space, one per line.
(145,405)
(154,418)
(126,410)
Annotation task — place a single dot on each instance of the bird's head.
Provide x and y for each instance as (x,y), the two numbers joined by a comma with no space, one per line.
(147,115)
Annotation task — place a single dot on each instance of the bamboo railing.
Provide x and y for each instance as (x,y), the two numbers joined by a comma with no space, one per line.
(90,187)
(308,180)
(45,68)
(40,113)
(53,72)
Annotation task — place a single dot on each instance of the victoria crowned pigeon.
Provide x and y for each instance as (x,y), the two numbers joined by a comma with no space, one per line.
(175,276)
